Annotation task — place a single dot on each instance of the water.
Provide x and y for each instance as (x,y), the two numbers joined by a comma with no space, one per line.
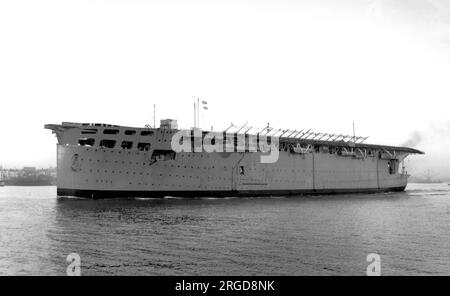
(323,235)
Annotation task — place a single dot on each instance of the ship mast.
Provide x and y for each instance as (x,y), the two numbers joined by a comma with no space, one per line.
(354,137)
(195,116)
(198,112)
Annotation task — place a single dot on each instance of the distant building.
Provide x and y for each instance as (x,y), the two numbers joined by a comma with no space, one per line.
(29,176)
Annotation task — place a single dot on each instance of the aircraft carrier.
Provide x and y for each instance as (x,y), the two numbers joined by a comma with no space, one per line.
(111,161)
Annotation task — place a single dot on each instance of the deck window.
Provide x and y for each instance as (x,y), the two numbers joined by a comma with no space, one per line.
(86,142)
(127,145)
(89,131)
(130,132)
(107,143)
(393,166)
(111,131)
(241,170)
(143,146)
(147,133)
(163,155)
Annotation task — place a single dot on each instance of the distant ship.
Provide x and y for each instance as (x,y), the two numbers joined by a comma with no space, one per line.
(108,161)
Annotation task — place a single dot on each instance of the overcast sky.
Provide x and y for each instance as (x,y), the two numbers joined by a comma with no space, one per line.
(384,65)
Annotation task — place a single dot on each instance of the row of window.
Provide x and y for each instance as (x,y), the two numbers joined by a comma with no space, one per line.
(116,131)
(112,144)
(146,146)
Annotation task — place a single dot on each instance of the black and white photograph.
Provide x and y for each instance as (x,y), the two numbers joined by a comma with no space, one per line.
(249,138)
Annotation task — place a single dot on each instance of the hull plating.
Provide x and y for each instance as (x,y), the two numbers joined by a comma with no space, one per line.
(106,173)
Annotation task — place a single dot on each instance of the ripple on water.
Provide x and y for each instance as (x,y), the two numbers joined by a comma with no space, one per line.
(320,235)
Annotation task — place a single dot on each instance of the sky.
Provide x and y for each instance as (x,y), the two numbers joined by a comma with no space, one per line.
(322,64)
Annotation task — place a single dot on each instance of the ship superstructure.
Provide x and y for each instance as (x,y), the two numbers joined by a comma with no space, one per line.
(107,161)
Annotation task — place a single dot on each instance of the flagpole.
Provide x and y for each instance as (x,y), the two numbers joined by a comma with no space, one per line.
(354,136)
(195,116)
(198,112)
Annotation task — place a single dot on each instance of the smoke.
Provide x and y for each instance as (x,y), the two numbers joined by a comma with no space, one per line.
(434,139)
(415,138)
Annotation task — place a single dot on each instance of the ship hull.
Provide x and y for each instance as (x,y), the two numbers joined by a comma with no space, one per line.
(106,194)
(99,173)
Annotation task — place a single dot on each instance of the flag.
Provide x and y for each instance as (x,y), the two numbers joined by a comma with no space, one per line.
(204,107)
(204,102)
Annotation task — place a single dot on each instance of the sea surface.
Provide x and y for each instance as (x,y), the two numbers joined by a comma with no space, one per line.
(305,235)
